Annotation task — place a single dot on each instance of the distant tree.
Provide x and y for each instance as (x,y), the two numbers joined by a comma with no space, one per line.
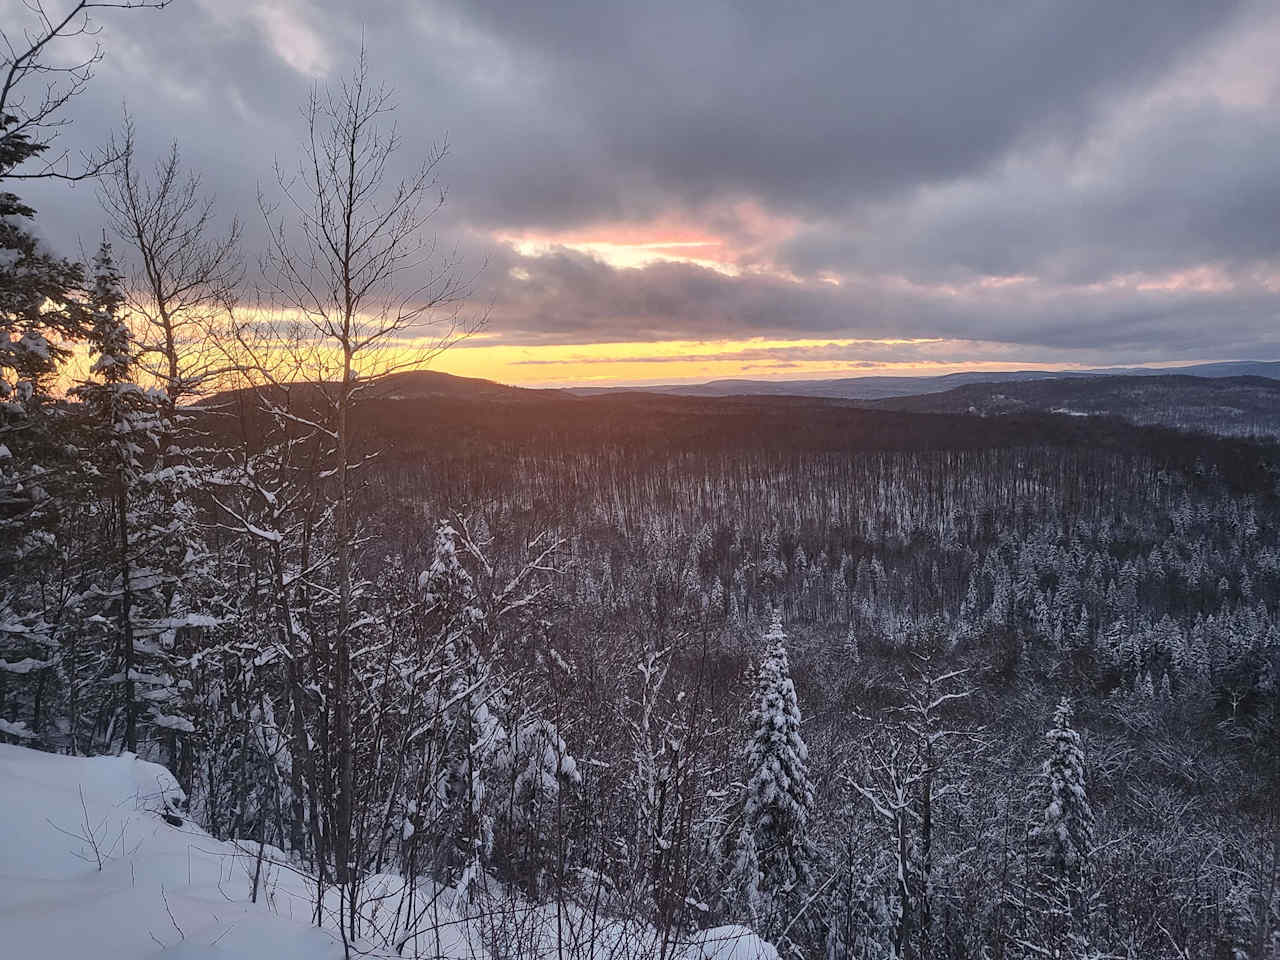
(1144,689)
(852,648)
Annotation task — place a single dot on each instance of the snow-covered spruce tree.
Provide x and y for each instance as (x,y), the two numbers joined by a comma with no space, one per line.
(1067,830)
(41,314)
(471,735)
(462,827)
(183,278)
(532,768)
(774,866)
(121,422)
(852,648)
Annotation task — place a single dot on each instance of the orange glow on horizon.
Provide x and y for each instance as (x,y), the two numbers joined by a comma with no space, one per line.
(695,361)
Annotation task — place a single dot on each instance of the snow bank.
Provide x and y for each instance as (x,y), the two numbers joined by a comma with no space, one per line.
(729,943)
(97,860)
(162,890)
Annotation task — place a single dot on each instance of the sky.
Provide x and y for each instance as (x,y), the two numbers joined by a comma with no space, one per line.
(671,191)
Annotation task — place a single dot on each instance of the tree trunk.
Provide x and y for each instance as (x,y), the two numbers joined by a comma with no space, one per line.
(126,621)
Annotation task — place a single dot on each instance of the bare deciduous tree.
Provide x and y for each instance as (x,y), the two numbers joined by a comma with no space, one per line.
(32,117)
(367,295)
(187,271)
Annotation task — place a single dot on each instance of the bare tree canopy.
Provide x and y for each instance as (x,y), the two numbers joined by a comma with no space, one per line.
(358,270)
(187,271)
(36,87)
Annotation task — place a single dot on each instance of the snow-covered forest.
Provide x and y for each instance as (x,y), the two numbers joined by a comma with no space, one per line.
(620,694)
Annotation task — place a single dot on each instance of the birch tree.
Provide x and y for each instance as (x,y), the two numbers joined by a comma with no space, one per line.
(364,294)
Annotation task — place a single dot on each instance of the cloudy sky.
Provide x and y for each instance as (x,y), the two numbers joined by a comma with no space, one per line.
(669,190)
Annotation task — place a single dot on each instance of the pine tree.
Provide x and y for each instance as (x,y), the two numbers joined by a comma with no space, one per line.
(122,430)
(1080,635)
(775,857)
(852,649)
(471,737)
(1144,689)
(532,766)
(40,310)
(42,314)
(469,730)
(1068,817)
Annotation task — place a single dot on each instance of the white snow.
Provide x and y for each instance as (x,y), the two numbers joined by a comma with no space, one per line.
(18,729)
(169,722)
(58,903)
(153,889)
(729,943)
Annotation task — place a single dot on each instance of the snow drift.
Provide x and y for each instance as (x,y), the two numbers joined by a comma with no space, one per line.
(98,860)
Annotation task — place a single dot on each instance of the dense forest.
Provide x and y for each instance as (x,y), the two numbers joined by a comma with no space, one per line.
(595,674)
(569,659)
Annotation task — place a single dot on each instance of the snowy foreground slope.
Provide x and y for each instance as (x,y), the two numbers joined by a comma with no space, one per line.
(157,889)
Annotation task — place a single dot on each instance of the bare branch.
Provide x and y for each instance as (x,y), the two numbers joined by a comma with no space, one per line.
(34,89)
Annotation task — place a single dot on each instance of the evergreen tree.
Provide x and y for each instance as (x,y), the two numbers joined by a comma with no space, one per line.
(852,648)
(531,768)
(1068,817)
(1144,689)
(775,856)
(471,737)
(42,315)
(469,730)
(122,430)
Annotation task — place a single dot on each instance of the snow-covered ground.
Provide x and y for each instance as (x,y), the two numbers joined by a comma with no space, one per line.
(97,861)
(161,889)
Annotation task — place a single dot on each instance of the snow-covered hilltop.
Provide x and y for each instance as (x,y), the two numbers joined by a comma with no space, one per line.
(98,860)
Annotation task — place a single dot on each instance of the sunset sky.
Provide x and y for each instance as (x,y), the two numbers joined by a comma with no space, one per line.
(674,191)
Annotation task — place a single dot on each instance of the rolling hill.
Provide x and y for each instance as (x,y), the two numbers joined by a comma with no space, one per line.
(1233,406)
(876,388)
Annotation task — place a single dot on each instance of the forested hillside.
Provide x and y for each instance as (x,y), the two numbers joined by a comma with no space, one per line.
(439,668)
(566,650)
(1232,406)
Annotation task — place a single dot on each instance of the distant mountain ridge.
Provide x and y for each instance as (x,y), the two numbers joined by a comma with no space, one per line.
(1231,399)
(1233,406)
(413,385)
(879,388)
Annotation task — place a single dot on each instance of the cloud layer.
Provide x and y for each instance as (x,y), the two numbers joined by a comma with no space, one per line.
(1083,179)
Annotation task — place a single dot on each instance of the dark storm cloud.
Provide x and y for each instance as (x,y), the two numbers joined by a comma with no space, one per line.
(909,149)
(813,104)
(1191,186)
